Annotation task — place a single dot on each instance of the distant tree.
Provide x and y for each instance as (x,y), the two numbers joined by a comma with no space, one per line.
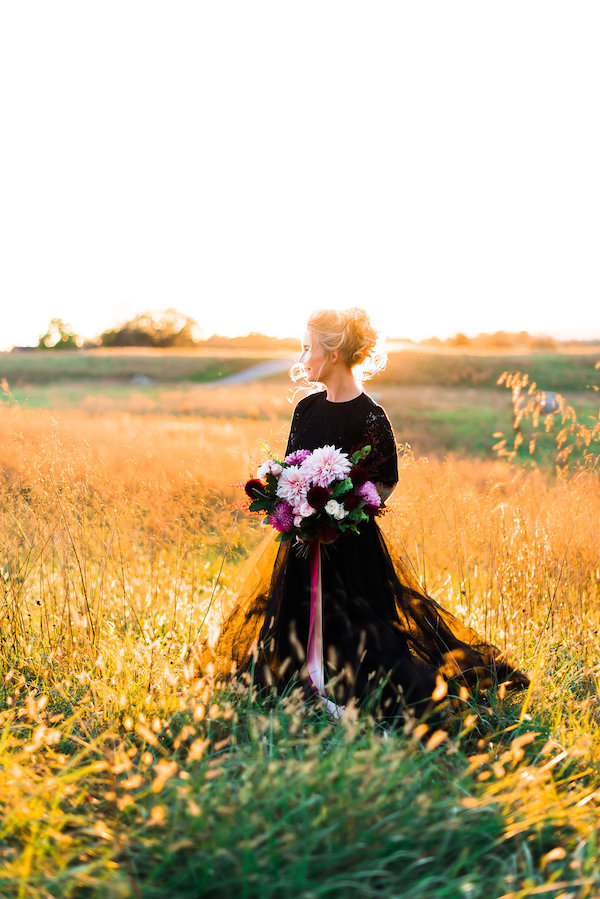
(255,340)
(59,336)
(499,339)
(154,329)
(459,340)
(542,342)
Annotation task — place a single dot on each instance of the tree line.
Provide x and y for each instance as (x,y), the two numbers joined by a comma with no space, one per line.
(173,329)
(170,328)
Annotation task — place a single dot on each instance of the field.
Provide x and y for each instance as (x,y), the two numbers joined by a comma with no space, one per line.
(440,402)
(123,775)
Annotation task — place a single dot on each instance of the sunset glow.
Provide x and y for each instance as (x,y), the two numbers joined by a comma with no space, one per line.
(249,163)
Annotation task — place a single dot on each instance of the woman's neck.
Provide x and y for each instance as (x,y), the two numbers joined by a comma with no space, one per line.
(342,387)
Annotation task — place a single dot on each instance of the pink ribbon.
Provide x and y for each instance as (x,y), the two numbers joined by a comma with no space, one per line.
(314,651)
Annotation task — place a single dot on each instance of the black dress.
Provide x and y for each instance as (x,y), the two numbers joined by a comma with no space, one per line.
(385,642)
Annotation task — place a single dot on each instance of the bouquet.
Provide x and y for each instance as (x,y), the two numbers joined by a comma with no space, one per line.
(314,496)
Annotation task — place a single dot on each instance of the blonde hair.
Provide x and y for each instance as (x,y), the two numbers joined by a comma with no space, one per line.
(351,334)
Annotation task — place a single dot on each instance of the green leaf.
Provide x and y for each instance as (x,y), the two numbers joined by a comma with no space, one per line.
(260,505)
(348,526)
(342,487)
(265,493)
(360,454)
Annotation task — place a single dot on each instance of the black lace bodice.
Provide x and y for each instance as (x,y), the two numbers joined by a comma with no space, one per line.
(348,426)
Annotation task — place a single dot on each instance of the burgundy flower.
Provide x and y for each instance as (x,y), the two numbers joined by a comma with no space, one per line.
(328,534)
(359,475)
(282,518)
(351,502)
(252,485)
(318,497)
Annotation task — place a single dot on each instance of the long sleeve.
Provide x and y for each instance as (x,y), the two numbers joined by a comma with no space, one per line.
(383,460)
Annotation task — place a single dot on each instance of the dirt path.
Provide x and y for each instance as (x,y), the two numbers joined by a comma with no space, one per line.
(254,372)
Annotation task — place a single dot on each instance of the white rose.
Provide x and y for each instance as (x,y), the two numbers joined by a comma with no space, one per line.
(335,509)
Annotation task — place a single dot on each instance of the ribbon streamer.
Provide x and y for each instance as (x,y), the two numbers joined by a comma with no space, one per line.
(314,652)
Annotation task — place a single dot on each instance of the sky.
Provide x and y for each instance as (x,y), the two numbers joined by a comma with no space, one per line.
(248,162)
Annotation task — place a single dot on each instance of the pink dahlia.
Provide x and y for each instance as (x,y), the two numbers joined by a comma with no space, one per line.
(292,485)
(297,458)
(282,518)
(368,493)
(326,465)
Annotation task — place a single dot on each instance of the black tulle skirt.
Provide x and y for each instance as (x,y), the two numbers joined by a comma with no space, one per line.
(387,645)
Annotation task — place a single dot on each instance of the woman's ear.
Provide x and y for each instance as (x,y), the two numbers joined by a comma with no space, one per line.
(334,357)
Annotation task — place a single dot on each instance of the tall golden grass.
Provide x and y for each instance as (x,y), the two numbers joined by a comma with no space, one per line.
(88,499)
(119,531)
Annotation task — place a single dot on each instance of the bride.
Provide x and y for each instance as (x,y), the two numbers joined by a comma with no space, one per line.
(383,643)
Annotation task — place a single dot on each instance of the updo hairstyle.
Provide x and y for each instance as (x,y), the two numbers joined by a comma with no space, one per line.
(350,332)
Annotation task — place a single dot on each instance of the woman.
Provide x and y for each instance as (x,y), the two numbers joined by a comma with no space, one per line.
(385,643)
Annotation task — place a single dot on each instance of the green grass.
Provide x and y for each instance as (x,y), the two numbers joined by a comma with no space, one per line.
(560,372)
(465,430)
(462,422)
(440,403)
(77,394)
(229,794)
(39,367)
(551,371)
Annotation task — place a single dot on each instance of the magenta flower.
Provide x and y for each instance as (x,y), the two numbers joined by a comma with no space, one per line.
(282,518)
(297,458)
(368,493)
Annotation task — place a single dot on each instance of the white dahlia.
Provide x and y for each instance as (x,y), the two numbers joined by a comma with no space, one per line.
(325,465)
